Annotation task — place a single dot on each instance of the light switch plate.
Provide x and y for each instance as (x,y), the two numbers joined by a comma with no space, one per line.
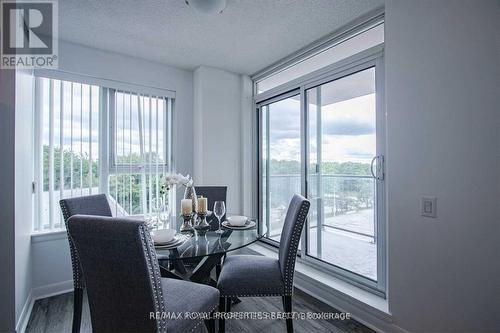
(428,206)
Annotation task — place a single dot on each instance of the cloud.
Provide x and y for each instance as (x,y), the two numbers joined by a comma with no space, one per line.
(353,127)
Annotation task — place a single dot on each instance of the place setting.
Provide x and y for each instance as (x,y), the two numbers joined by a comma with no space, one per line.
(238,222)
(168,239)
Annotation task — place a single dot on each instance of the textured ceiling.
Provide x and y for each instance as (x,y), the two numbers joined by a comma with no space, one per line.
(248,36)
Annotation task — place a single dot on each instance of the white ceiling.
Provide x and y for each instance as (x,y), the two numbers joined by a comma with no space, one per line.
(248,36)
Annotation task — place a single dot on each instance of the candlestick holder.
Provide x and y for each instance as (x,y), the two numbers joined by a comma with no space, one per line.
(202,223)
(187,225)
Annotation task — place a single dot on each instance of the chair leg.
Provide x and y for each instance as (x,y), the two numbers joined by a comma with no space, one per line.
(222,310)
(218,269)
(77,309)
(210,324)
(287,305)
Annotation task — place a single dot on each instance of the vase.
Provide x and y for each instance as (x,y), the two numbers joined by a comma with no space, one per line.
(190,193)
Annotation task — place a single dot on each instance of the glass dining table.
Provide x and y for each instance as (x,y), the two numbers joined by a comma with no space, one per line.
(203,250)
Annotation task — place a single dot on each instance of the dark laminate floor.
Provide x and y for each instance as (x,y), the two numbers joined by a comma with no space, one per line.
(53,315)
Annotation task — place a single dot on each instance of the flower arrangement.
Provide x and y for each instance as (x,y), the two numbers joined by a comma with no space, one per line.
(172,179)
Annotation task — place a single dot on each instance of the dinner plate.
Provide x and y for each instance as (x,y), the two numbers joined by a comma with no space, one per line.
(248,225)
(177,241)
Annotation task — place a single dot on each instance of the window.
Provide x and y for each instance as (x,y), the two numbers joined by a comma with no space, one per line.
(322,135)
(76,154)
(66,146)
(139,146)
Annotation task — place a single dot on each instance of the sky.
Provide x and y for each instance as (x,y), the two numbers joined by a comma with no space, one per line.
(128,138)
(348,130)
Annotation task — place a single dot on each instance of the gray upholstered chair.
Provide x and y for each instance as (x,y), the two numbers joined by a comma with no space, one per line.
(125,290)
(213,194)
(88,205)
(254,276)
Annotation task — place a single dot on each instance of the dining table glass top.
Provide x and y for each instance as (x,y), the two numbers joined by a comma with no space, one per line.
(202,243)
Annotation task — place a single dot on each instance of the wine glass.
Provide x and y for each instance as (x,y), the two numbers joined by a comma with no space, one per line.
(158,205)
(165,215)
(219,211)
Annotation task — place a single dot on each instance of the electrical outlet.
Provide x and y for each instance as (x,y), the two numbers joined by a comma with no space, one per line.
(428,206)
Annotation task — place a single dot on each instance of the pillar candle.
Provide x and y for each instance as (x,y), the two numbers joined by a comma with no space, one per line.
(202,205)
(186,206)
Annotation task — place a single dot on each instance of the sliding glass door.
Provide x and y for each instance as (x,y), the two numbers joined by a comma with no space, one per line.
(325,140)
(341,145)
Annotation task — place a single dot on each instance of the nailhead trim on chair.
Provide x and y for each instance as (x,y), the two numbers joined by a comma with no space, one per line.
(199,322)
(78,282)
(154,275)
(290,261)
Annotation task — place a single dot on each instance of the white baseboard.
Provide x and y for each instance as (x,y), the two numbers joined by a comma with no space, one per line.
(366,315)
(368,309)
(25,314)
(39,293)
(52,289)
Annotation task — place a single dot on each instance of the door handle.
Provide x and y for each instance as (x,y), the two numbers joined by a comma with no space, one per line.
(379,174)
(371,167)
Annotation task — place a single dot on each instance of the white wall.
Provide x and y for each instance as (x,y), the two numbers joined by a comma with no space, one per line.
(218,132)
(442,123)
(7,202)
(23,193)
(51,261)
(248,146)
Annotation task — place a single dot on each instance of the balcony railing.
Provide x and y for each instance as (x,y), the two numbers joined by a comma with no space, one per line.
(340,202)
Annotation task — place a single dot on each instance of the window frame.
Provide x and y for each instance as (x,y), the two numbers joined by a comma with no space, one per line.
(119,168)
(370,58)
(116,169)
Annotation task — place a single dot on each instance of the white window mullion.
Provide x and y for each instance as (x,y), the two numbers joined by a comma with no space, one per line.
(90,141)
(81,139)
(157,156)
(141,147)
(38,143)
(130,154)
(61,145)
(122,201)
(166,125)
(103,139)
(150,154)
(116,153)
(71,140)
(51,154)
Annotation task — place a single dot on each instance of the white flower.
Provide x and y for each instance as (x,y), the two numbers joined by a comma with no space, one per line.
(177,179)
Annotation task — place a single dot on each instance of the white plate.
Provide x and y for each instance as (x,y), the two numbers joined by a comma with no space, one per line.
(248,225)
(177,241)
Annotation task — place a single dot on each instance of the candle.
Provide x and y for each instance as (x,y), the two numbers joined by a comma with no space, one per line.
(186,206)
(202,205)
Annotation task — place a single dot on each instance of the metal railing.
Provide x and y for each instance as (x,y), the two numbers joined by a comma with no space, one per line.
(332,195)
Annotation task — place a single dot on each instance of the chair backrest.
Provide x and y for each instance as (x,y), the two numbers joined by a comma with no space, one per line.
(213,193)
(87,205)
(290,237)
(121,273)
